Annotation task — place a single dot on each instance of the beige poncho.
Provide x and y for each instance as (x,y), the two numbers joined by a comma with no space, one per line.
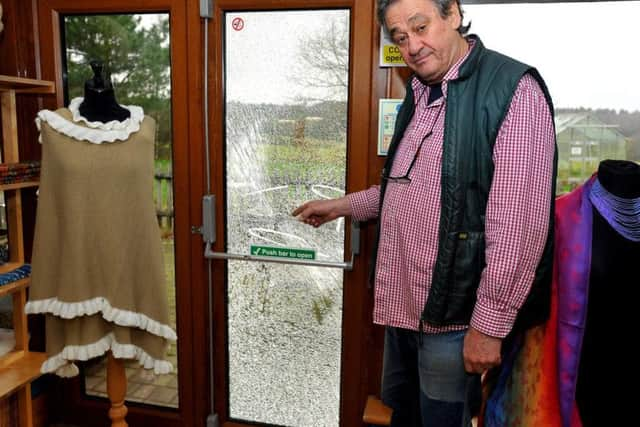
(97,268)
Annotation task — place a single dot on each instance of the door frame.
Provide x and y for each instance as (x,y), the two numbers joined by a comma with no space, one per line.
(186,99)
(356,293)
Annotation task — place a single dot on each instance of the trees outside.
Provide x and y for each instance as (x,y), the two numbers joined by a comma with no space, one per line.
(136,56)
(322,69)
(323,66)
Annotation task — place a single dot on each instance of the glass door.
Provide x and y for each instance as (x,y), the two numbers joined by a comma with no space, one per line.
(135,49)
(148,52)
(285,93)
(286,85)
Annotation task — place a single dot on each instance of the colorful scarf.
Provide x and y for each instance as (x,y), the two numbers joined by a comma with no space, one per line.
(536,383)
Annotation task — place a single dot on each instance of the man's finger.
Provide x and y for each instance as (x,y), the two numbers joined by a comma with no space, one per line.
(298,210)
(468,366)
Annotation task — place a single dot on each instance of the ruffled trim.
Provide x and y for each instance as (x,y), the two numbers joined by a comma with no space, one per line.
(136,116)
(62,363)
(98,132)
(70,310)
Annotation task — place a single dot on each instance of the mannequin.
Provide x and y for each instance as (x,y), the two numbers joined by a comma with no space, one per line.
(567,372)
(101,290)
(614,265)
(99,104)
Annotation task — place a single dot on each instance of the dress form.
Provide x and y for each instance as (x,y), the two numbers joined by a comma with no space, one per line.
(610,311)
(103,289)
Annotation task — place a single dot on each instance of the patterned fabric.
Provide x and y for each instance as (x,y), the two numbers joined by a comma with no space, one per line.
(15,274)
(516,223)
(524,394)
(19,172)
(537,383)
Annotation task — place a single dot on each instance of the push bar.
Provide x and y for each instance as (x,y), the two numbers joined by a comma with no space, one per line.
(208,234)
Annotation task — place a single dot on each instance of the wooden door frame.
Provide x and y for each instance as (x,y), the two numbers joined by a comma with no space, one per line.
(356,294)
(186,100)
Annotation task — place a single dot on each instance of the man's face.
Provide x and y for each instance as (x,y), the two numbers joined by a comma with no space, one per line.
(429,44)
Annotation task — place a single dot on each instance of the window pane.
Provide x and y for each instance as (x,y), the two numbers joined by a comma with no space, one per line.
(286,117)
(135,51)
(582,51)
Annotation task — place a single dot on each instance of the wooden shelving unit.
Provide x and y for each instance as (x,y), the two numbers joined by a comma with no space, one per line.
(24,85)
(20,366)
(18,185)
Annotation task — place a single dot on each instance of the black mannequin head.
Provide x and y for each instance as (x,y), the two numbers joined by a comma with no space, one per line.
(99,104)
(620,177)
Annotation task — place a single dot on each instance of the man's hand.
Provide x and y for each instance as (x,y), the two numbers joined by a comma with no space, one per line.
(318,212)
(481,352)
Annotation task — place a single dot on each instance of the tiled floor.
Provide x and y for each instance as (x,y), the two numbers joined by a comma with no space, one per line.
(142,385)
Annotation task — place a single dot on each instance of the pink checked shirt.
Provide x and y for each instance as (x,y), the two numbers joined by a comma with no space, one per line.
(516,218)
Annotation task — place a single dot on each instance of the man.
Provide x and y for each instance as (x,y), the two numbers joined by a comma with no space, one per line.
(465,208)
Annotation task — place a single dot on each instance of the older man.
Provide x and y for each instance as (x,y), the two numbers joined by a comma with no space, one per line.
(465,208)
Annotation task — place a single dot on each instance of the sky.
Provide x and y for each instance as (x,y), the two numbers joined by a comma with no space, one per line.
(149,19)
(586,52)
(260,52)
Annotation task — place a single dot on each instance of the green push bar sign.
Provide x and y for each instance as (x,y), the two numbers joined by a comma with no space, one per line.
(273,251)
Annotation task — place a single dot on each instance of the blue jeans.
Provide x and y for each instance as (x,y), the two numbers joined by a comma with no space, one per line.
(425,383)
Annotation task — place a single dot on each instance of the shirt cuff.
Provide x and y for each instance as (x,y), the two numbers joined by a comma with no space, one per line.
(364,204)
(492,321)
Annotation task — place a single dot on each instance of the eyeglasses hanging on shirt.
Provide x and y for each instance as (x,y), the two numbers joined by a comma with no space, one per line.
(434,93)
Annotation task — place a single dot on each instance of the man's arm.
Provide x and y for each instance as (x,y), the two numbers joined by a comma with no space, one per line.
(517,221)
(361,206)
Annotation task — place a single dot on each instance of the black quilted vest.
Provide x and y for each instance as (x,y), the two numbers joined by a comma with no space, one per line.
(477,103)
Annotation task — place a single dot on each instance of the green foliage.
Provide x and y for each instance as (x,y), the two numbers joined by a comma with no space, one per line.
(318,162)
(136,57)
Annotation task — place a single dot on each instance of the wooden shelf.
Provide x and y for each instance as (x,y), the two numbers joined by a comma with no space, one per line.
(18,185)
(24,85)
(19,367)
(12,287)
(9,266)
(21,372)
(7,360)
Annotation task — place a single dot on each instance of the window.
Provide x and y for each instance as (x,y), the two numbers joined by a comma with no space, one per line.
(135,51)
(584,52)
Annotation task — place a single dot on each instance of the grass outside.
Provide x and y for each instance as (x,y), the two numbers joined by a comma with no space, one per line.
(313,161)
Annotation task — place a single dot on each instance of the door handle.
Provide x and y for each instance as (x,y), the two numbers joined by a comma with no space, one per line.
(209,237)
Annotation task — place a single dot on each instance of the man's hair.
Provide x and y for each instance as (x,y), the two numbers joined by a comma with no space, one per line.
(443,6)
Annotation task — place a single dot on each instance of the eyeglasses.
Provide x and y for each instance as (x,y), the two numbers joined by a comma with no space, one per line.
(404,179)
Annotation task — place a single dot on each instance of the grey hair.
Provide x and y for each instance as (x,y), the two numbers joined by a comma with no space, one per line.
(443,6)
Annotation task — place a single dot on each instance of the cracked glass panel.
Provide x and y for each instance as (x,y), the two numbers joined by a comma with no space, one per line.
(286,75)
